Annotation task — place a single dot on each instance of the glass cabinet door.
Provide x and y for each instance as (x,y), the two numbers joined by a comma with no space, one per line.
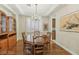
(14,25)
(3,24)
(10,24)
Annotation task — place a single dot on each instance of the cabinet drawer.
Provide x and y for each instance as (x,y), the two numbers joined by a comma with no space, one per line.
(3,46)
(12,42)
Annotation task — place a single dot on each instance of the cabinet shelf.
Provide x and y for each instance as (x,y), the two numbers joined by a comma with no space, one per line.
(12,33)
(3,34)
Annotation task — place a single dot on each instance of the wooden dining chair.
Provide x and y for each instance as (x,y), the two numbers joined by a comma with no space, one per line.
(46,43)
(38,45)
(27,46)
(49,38)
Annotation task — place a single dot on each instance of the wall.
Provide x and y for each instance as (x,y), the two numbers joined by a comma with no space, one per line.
(69,40)
(6,11)
(21,21)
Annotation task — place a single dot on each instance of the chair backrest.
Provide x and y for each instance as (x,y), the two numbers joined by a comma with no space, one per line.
(46,39)
(38,39)
(36,33)
(36,36)
(49,35)
(23,36)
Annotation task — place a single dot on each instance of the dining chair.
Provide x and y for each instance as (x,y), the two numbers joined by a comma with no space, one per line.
(46,43)
(27,45)
(38,45)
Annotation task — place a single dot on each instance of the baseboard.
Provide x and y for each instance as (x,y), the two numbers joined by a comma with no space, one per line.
(19,39)
(64,48)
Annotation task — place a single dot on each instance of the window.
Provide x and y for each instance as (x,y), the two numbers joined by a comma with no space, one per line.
(33,25)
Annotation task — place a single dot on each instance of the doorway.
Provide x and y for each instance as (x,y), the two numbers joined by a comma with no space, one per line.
(53,29)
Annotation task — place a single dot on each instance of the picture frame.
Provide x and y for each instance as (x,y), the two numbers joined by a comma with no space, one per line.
(45,27)
(70,22)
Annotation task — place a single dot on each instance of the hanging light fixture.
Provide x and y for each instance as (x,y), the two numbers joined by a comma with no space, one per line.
(36,17)
(36,12)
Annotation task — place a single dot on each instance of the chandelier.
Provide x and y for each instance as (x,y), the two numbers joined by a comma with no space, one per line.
(35,16)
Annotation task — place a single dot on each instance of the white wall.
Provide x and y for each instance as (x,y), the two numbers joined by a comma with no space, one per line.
(70,40)
(21,21)
(17,26)
(6,11)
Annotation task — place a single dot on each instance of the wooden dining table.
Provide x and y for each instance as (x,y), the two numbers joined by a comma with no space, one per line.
(32,40)
(34,44)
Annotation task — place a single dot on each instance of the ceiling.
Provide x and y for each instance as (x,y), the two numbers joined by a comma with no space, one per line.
(29,9)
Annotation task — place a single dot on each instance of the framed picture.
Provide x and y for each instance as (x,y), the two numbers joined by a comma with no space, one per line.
(45,27)
(70,22)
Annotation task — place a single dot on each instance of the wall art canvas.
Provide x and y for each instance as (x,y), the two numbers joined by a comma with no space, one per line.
(70,22)
(45,27)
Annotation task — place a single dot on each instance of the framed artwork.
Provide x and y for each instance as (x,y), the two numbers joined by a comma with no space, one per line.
(45,27)
(70,22)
